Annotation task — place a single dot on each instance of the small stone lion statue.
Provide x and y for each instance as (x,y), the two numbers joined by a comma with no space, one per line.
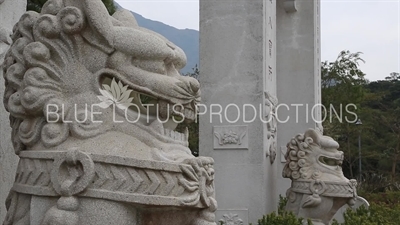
(319,187)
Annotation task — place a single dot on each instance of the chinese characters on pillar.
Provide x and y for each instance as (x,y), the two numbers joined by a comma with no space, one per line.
(270,34)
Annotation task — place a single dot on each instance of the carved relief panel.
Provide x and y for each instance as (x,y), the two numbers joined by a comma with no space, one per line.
(230,137)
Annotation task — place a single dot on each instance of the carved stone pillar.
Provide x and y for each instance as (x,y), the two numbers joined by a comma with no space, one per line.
(238,77)
(298,71)
(265,54)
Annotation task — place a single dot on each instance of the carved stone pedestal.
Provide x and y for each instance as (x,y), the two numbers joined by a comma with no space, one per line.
(73,187)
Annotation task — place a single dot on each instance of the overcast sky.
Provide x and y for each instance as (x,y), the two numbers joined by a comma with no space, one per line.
(368,26)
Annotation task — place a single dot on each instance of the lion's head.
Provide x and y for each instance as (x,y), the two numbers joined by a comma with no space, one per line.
(64,58)
(312,156)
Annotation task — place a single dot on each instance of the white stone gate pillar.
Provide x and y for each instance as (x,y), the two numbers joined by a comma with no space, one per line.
(237,66)
(298,72)
(255,55)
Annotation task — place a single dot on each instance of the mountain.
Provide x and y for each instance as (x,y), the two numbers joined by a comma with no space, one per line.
(186,39)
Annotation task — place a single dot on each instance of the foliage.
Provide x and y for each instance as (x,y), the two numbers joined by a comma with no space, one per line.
(285,218)
(389,199)
(195,73)
(281,218)
(282,204)
(343,91)
(377,104)
(110,6)
(384,210)
(384,118)
(380,111)
(393,76)
(359,216)
(36,5)
(376,214)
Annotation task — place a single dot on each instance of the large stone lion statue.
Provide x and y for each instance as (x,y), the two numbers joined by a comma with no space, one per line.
(319,187)
(94,101)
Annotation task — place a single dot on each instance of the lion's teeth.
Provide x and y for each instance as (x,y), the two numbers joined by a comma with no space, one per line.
(172,134)
(186,134)
(176,135)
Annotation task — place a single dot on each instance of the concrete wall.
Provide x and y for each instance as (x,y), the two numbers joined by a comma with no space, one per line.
(10,12)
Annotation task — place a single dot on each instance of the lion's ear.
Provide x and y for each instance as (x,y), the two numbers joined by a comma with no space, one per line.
(316,136)
(319,139)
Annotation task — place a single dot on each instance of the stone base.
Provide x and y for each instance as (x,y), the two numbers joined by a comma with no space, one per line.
(73,188)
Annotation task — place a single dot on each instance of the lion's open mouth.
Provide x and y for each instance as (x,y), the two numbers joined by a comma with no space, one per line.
(331,162)
(149,106)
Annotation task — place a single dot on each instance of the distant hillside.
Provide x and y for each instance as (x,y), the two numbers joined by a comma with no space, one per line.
(187,39)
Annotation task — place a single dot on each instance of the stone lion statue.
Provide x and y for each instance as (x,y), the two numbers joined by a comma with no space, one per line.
(319,187)
(94,101)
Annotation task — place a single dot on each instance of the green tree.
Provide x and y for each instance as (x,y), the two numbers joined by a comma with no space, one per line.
(393,77)
(342,84)
(378,105)
(384,116)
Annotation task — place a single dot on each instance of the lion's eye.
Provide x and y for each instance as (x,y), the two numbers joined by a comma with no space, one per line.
(330,161)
